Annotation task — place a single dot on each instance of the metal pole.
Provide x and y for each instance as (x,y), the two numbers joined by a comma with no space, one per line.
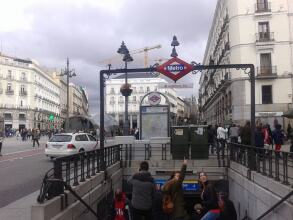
(252,81)
(126,124)
(102,125)
(251,154)
(67,80)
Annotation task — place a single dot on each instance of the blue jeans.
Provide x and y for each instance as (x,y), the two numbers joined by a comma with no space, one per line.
(210,216)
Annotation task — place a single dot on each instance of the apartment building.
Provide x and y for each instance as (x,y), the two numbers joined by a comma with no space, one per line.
(255,32)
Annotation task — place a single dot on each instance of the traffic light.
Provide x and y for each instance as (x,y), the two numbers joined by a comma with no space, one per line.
(51,117)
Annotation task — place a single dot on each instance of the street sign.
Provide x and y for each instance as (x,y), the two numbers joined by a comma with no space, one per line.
(175,86)
(188,185)
(154,98)
(175,68)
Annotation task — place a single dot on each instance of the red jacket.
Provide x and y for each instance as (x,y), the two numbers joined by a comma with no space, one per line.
(120,211)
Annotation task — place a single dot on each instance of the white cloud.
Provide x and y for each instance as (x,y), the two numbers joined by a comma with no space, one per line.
(88,31)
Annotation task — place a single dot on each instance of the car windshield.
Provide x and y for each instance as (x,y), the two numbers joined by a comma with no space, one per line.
(61,138)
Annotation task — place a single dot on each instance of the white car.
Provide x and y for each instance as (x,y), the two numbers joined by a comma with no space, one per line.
(70,143)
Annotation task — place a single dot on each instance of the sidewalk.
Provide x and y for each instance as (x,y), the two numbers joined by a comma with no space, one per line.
(20,209)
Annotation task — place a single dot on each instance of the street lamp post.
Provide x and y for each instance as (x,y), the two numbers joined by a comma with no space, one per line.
(68,73)
(125,89)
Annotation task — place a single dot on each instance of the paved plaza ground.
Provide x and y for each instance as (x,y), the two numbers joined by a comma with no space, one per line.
(12,145)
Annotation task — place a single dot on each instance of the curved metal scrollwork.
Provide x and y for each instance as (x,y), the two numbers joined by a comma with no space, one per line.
(154,73)
(195,64)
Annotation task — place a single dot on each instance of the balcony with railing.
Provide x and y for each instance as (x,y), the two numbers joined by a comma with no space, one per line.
(263,7)
(262,37)
(1,90)
(266,72)
(9,92)
(23,93)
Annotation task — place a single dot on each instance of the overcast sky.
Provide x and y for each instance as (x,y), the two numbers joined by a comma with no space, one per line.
(91,31)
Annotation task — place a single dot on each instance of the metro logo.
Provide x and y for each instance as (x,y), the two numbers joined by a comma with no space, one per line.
(175,68)
(155,98)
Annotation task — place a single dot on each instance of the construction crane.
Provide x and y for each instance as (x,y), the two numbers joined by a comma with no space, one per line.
(132,52)
(145,51)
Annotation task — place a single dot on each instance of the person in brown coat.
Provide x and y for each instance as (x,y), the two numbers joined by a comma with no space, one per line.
(174,188)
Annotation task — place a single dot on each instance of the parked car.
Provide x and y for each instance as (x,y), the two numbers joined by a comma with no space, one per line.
(70,143)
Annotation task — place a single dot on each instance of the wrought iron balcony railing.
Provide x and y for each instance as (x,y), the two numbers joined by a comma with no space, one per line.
(264,36)
(23,93)
(266,71)
(9,92)
(262,7)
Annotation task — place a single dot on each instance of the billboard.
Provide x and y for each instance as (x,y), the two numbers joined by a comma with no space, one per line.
(154,121)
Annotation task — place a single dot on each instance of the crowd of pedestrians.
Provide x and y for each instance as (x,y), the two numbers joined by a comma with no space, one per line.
(265,137)
(150,202)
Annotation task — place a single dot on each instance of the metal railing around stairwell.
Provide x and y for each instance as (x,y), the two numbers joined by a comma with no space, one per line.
(75,169)
(268,162)
(276,205)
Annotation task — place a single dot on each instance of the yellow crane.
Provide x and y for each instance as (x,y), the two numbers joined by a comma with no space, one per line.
(137,51)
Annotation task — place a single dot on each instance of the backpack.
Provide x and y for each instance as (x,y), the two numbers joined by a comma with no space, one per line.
(168,204)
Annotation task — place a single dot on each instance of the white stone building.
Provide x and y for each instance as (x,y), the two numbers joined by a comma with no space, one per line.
(28,94)
(256,32)
(141,83)
(75,100)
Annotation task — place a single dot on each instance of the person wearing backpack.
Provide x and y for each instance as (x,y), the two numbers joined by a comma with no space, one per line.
(173,194)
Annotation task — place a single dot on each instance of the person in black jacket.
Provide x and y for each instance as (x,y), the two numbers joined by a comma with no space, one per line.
(228,211)
(208,194)
(259,141)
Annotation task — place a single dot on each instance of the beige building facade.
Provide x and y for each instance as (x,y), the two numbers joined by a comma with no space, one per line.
(258,32)
(28,94)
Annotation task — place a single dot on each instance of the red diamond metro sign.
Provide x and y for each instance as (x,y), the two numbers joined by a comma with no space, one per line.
(175,68)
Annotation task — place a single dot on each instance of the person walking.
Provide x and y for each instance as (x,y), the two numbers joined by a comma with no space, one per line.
(174,188)
(259,141)
(211,138)
(36,136)
(136,133)
(278,137)
(234,133)
(143,190)
(2,136)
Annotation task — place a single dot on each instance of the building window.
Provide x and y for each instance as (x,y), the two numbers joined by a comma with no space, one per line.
(9,87)
(264,32)
(267,97)
(112,91)
(134,98)
(262,6)
(22,89)
(23,76)
(21,103)
(9,74)
(148,89)
(265,64)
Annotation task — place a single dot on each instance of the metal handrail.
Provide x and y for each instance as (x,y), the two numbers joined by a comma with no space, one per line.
(75,168)
(276,205)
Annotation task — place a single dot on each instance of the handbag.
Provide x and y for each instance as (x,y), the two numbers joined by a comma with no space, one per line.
(168,204)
